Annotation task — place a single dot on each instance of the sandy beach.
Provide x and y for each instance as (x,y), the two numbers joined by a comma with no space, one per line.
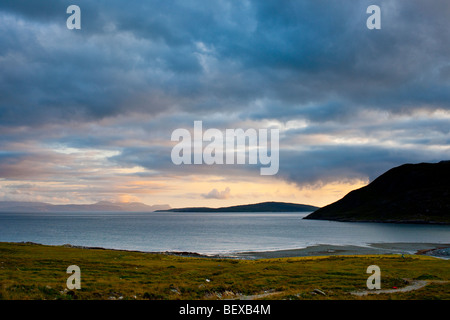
(438,250)
(432,249)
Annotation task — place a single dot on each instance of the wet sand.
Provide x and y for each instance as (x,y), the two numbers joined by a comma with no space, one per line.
(439,250)
(329,250)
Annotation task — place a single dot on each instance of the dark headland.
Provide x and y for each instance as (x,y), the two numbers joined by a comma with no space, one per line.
(411,193)
(257,207)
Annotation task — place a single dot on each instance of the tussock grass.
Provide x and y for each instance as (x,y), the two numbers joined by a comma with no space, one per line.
(29,271)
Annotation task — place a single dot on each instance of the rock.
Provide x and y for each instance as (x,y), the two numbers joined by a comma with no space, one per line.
(176,291)
(317,291)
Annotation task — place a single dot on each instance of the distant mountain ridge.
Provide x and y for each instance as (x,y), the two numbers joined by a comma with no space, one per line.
(102,206)
(270,206)
(410,193)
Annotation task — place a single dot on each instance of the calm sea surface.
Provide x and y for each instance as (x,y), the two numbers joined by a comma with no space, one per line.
(207,233)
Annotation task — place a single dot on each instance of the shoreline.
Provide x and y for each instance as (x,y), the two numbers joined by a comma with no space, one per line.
(438,250)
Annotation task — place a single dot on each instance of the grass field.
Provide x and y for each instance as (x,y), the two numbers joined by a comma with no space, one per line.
(30,271)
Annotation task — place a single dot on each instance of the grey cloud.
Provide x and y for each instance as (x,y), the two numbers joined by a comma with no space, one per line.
(173,62)
(297,53)
(325,164)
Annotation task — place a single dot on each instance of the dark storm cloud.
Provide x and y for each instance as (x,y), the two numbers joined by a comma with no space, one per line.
(145,58)
(325,164)
(153,66)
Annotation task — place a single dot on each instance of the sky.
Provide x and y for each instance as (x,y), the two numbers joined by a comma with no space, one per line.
(87,115)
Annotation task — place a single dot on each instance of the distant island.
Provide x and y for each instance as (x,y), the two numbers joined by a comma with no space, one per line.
(270,206)
(102,206)
(411,193)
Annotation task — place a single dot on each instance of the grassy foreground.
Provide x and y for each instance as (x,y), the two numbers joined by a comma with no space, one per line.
(29,271)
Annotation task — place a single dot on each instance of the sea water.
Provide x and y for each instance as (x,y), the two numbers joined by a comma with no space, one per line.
(205,233)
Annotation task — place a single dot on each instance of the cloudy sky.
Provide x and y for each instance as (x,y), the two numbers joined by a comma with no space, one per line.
(87,115)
